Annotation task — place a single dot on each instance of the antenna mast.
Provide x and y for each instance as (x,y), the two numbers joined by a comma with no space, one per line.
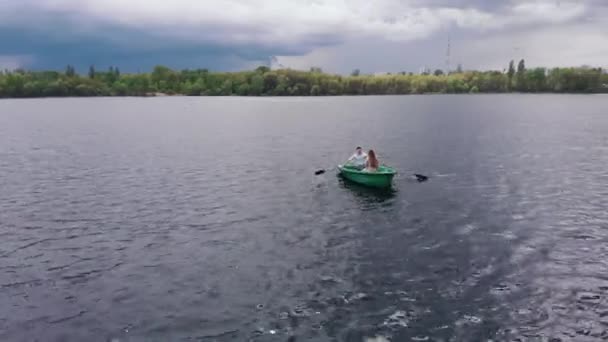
(448,55)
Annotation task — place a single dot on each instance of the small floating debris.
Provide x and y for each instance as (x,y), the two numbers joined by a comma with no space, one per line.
(349,297)
(420,338)
(524,312)
(259,306)
(500,289)
(471,319)
(585,332)
(377,339)
(300,310)
(589,297)
(403,296)
(397,319)
(442,327)
(360,296)
(317,326)
(407,299)
(330,279)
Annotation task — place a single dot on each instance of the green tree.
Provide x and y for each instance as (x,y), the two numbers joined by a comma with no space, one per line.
(57,88)
(243,89)
(111,76)
(403,85)
(438,72)
(281,86)
(334,87)
(33,89)
(301,89)
(354,86)
(536,79)
(70,71)
(14,84)
(456,85)
(316,70)
(84,90)
(510,74)
(22,83)
(355,72)
(521,73)
(188,89)
(262,69)
(227,88)
(159,74)
(257,85)
(119,88)
(271,81)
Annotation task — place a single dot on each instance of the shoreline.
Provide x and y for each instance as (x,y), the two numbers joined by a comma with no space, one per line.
(165,82)
(293,96)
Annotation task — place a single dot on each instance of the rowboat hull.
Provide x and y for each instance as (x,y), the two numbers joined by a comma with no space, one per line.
(383,178)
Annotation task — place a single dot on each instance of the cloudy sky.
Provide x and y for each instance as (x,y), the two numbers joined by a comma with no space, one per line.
(336,35)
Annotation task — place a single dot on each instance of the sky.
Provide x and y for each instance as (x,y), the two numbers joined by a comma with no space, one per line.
(336,35)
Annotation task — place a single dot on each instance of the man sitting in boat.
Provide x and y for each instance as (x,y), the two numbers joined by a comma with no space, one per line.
(358,160)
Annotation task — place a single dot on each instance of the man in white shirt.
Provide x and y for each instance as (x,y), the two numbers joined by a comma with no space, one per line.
(358,159)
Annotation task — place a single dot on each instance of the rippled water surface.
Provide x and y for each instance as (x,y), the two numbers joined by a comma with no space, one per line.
(200,219)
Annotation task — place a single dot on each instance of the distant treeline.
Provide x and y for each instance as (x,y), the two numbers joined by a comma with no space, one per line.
(287,82)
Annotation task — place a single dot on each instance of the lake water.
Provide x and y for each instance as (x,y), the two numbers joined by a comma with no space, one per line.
(200,219)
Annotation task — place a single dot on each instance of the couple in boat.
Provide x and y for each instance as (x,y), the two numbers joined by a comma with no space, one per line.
(364,161)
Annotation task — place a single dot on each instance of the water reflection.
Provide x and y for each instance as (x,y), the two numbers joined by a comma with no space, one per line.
(366,194)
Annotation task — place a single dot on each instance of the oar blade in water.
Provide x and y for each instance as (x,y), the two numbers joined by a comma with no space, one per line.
(421,178)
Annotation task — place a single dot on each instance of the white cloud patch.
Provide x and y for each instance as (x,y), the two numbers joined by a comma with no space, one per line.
(271,22)
(13,62)
(547,11)
(563,46)
(545,33)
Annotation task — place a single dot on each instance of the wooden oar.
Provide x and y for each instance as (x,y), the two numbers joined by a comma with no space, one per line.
(322,171)
(419,177)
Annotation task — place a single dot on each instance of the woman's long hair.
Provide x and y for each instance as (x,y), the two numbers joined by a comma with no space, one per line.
(373,161)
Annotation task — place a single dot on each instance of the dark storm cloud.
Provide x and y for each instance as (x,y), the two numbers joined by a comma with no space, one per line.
(187,33)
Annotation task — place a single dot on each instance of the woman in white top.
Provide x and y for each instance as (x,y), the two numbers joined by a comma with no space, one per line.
(359,159)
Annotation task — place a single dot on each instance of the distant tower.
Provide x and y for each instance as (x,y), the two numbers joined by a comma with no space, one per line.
(274,63)
(448,55)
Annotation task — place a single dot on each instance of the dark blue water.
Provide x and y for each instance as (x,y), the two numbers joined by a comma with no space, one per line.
(200,219)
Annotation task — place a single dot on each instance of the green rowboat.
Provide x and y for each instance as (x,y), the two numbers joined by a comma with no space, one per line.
(383,178)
